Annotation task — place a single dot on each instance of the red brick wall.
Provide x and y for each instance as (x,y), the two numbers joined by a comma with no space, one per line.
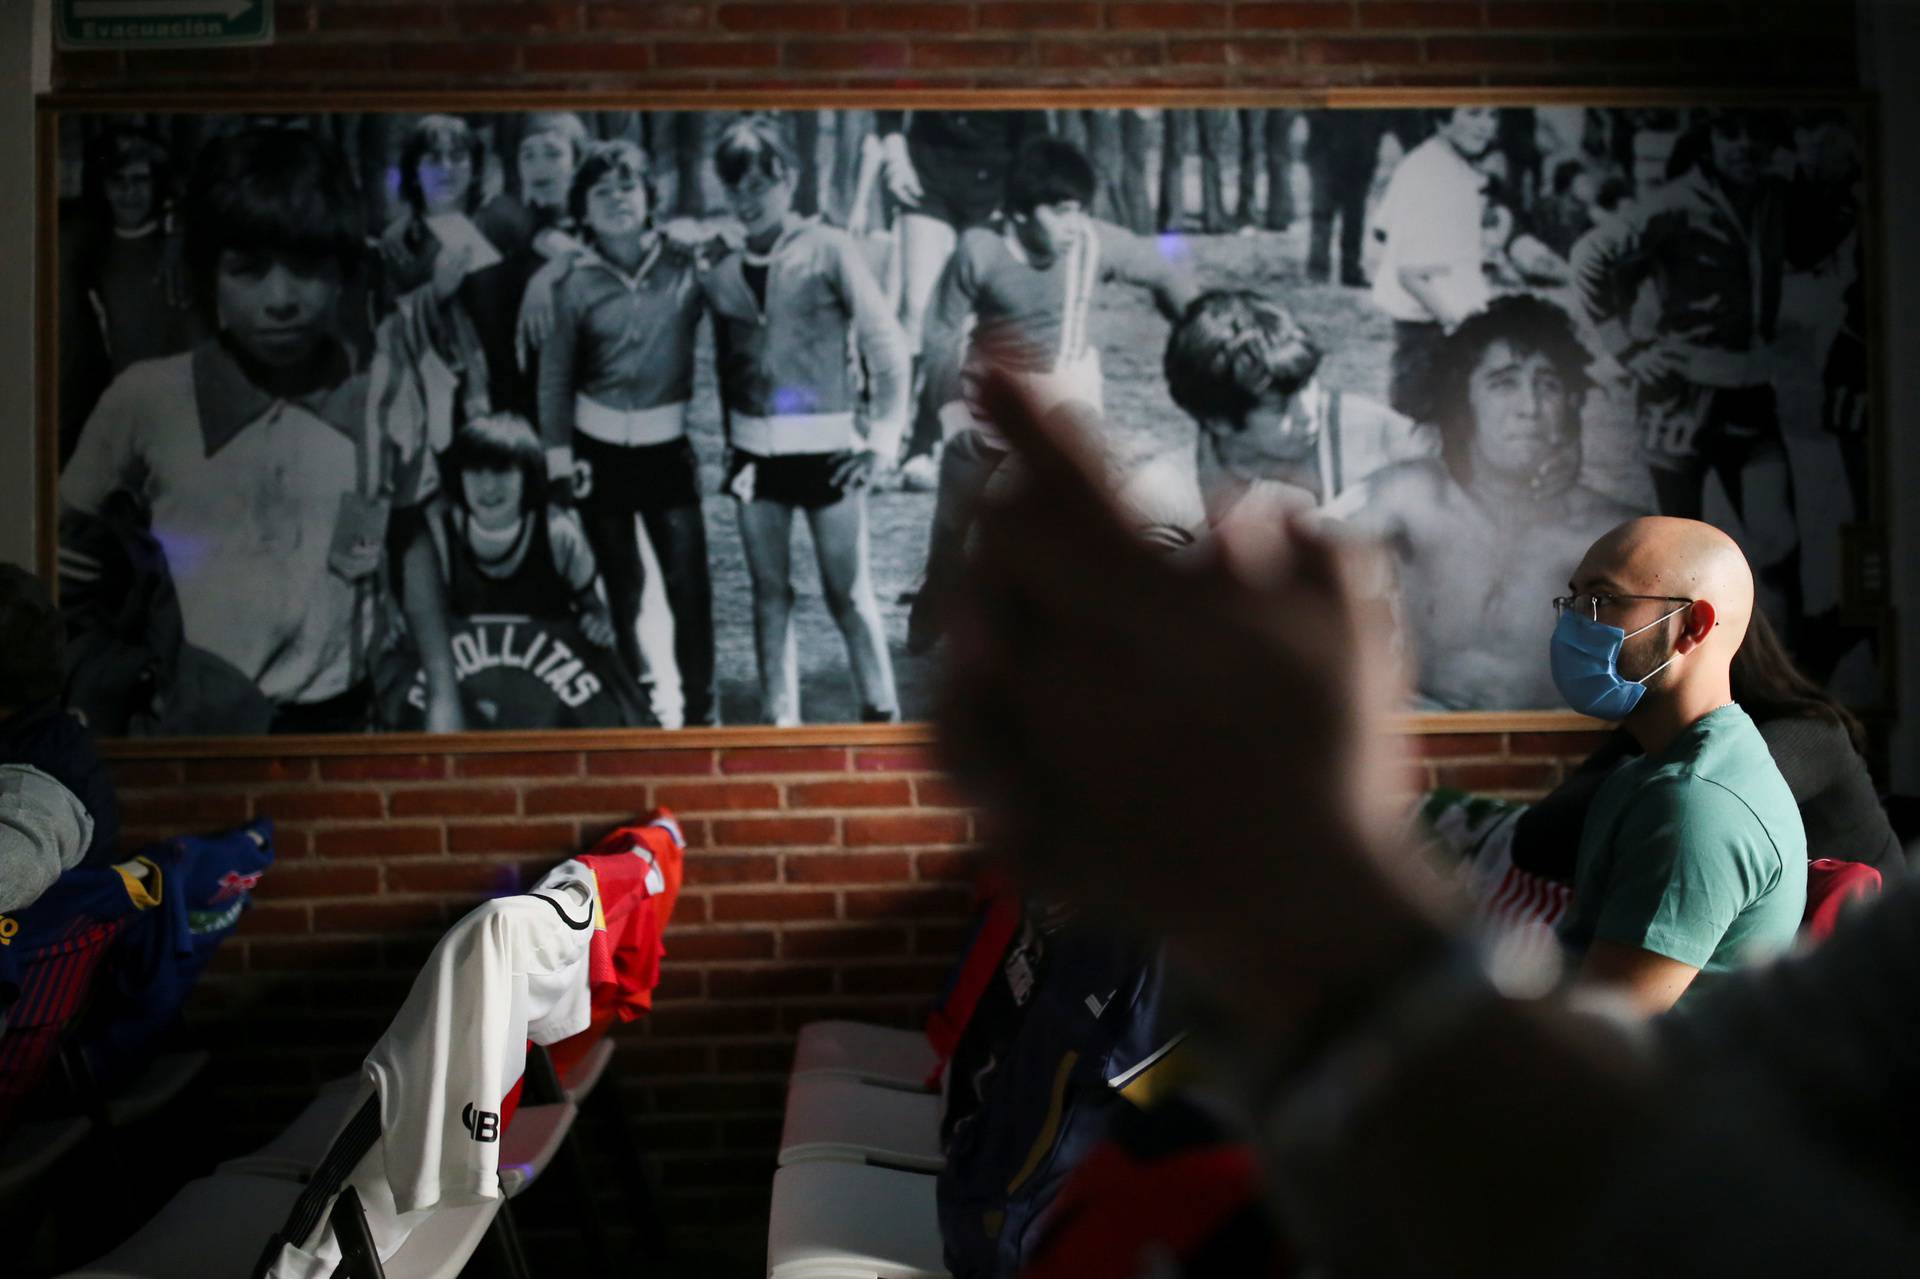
(822,880)
(673,44)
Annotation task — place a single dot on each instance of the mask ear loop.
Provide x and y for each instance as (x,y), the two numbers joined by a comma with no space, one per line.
(1649,626)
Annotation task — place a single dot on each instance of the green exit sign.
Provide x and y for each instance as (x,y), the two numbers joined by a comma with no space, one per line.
(161,24)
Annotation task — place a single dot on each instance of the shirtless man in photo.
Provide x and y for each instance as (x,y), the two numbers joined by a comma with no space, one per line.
(1482,533)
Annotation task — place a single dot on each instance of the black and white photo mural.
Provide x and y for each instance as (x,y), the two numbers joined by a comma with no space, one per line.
(666,419)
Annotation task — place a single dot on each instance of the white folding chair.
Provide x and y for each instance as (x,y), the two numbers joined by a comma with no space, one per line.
(526,1148)
(837,1117)
(531,1141)
(216,1227)
(876,1054)
(849,1221)
(580,1079)
(302,1144)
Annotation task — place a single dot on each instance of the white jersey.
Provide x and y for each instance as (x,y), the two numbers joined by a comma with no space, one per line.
(514,969)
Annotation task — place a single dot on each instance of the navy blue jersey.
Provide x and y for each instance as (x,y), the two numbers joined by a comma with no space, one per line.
(49,955)
(206,883)
(1091,1030)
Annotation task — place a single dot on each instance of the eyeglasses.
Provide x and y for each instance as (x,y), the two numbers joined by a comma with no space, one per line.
(1589,604)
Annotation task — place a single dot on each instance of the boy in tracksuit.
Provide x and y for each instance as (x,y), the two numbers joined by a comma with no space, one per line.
(796,317)
(1027,288)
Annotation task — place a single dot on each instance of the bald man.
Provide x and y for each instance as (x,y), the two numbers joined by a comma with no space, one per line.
(1692,860)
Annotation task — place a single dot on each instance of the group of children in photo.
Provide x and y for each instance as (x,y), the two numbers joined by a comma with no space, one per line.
(323,446)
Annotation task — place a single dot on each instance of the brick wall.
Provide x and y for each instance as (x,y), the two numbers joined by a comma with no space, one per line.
(672,44)
(822,880)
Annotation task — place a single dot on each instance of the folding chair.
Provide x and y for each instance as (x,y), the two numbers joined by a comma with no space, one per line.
(604,1112)
(837,1117)
(544,1127)
(215,1228)
(529,1144)
(873,1054)
(155,1088)
(849,1221)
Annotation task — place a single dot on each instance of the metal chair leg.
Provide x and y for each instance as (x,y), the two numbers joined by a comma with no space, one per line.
(499,1252)
(651,1240)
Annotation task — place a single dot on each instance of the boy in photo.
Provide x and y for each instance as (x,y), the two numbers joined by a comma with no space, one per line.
(1020,295)
(251,456)
(1247,373)
(796,317)
(499,546)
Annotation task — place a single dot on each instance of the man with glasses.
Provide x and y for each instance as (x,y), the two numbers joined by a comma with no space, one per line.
(1693,859)
(1482,533)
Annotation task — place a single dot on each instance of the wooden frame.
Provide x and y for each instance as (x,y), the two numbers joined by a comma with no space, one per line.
(52,108)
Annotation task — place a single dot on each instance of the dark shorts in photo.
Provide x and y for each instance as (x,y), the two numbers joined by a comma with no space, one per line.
(791,479)
(638,477)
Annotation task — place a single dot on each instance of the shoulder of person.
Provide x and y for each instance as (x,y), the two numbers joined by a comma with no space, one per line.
(1393,497)
(1434,155)
(577,284)
(162,378)
(402,227)
(1804,733)
(505,221)
(822,236)
(1677,793)
(1405,436)
(1415,479)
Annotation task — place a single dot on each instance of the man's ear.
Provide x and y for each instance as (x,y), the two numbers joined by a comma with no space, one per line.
(1698,623)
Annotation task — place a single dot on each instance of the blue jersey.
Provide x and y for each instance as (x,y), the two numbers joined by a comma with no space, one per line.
(1090,1034)
(49,955)
(206,884)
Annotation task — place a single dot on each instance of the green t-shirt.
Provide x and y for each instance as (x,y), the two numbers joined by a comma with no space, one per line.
(1696,853)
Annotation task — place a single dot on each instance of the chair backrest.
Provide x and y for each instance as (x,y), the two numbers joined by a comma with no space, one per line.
(1833,886)
(342,1157)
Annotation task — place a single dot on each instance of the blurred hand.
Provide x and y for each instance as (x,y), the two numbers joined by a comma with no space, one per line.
(1196,745)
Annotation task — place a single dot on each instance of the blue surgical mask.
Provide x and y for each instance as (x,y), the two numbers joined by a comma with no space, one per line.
(1585,657)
